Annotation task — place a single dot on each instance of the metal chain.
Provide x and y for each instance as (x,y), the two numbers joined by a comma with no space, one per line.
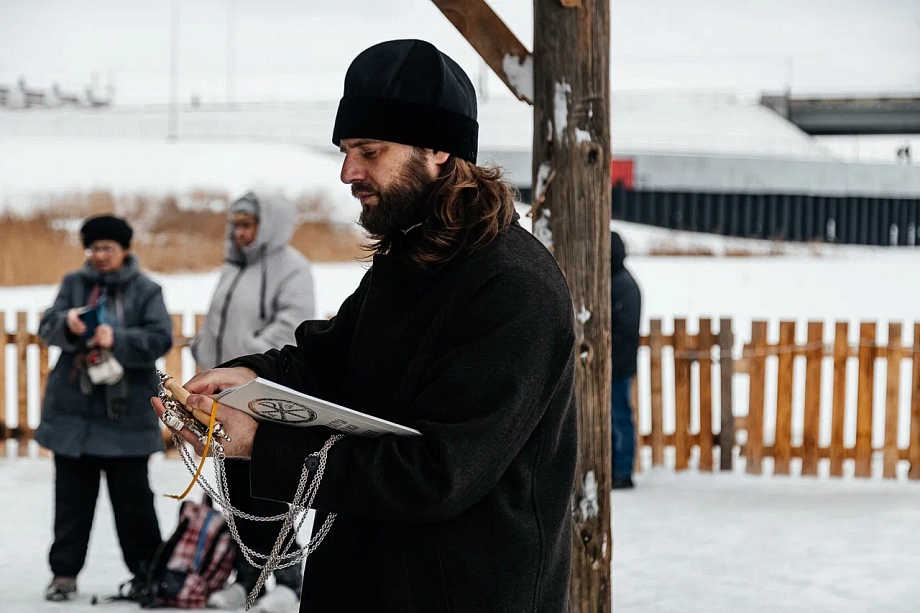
(302,503)
(274,559)
(292,557)
(189,464)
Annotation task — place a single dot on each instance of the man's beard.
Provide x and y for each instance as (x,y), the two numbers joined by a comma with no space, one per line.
(401,204)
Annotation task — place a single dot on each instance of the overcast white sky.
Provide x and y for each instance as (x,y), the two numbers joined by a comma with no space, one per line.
(289,49)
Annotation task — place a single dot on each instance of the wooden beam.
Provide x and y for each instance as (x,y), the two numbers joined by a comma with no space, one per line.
(494,42)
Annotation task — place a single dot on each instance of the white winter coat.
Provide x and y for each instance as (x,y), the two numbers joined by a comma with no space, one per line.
(264,292)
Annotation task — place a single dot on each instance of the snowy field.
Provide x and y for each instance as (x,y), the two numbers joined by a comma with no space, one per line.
(34,170)
(686,542)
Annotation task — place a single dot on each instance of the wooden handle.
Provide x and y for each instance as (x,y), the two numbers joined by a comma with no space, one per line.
(179,393)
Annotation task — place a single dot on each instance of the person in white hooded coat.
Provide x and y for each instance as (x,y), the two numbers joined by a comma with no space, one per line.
(264,292)
(265,289)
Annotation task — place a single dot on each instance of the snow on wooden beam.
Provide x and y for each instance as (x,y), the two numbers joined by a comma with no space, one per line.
(494,42)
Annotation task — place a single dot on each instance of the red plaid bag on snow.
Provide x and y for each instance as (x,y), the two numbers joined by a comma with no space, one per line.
(195,561)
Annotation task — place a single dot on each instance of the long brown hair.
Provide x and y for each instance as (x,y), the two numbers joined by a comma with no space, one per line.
(469,207)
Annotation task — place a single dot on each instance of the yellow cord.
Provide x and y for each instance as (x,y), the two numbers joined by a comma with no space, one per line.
(207,445)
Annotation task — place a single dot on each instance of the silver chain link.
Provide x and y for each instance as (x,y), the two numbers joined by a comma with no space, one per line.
(274,560)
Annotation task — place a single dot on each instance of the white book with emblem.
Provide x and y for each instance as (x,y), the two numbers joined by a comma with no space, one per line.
(268,401)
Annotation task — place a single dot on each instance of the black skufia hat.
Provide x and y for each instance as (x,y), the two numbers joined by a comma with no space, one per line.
(406,91)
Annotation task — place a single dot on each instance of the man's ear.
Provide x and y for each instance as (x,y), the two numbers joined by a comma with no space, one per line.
(439,157)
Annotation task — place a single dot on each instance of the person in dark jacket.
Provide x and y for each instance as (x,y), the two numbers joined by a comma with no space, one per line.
(463,328)
(626,308)
(95,427)
(264,292)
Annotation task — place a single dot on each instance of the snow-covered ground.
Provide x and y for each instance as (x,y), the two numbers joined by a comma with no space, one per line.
(26,518)
(682,542)
(731,543)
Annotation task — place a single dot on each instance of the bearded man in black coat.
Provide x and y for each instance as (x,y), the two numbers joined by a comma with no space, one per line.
(463,329)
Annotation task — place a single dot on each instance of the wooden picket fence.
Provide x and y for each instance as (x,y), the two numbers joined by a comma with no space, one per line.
(23,339)
(726,424)
(686,349)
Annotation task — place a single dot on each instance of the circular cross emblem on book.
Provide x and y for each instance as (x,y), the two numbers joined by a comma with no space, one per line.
(286,411)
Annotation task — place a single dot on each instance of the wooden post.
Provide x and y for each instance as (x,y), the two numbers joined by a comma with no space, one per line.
(44,368)
(726,375)
(705,341)
(634,402)
(199,324)
(681,396)
(655,343)
(22,349)
(892,401)
(864,399)
(4,430)
(812,398)
(913,450)
(174,355)
(782,446)
(173,366)
(568,81)
(571,198)
(841,353)
(755,403)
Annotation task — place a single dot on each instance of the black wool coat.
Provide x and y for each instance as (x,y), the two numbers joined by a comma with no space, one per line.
(475,514)
(625,313)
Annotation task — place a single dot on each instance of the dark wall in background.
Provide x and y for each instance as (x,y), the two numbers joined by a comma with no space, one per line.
(788,217)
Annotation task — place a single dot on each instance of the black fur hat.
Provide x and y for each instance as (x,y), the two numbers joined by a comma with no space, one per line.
(106,227)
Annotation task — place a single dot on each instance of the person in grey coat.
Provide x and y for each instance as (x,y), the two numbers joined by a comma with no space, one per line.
(265,288)
(264,292)
(107,427)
